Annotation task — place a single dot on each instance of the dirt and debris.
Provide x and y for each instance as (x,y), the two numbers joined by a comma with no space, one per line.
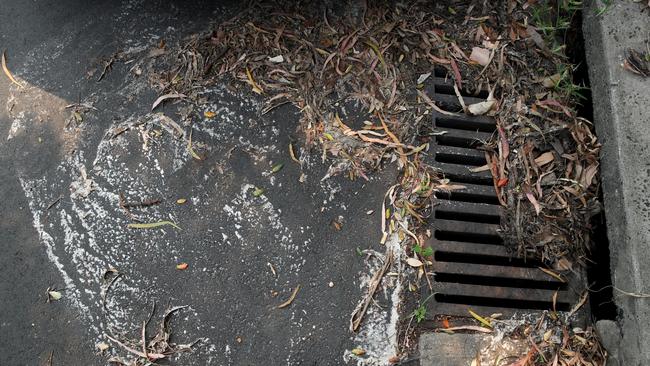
(547,340)
(376,61)
(543,158)
(150,350)
(637,62)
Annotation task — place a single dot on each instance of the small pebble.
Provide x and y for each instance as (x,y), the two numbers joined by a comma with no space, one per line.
(331,284)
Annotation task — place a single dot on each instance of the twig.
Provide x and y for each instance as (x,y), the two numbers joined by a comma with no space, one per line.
(7,72)
(110,283)
(149,356)
(291,298)
(54,203)
(122,204)
(433,105)
(362,307)
(144,339)
(639,295)
(107,66)
(145,203)
(467,327)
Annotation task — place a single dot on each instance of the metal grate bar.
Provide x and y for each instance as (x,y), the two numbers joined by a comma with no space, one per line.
(471,266)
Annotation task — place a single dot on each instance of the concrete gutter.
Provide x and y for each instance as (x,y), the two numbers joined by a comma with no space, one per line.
(621,115)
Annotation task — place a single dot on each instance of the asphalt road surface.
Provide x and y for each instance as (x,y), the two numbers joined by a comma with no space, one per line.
(64,169)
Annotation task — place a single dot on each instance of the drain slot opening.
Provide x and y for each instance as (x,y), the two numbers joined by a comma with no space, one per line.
(449,90)
(500,302)
(462,124)
(455,141)
(468,237)
(467,197)
(460,159)
(484,259)
(467,216)
(599,272)
(498,281)
(469,179)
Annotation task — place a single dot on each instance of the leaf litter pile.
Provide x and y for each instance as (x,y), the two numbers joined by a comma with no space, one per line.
(380,56)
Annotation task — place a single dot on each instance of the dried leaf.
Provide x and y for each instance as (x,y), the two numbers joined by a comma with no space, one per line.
(358,351)
(292,154)
(7,72)
(468,327)
(209,114)
(165,97)
(481,168)
(536,37)
(54,295)
(423,77)
(277,59)
(481,319)
(551,81)
(588,175)
(182,266)
(457,78)
(545,158)
(149,355)
(291,298)
(480,55)
(375,49)
(252,82)
(102,346)
(414,262)
(394,359)
(578,305)
(547,335)
(479,109)
(552,274)
(180,201)
(191,149)
(533,200)
(433,105)
(152,225)
(563,264)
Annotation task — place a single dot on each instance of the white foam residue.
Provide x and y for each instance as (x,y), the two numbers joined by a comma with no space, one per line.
(254,212)
(71,293)
(16,125)
(378,332)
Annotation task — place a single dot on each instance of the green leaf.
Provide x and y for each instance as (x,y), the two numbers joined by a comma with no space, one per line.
(420,313)
(427,252)
(417,249)
(153,225)
(277,167)
(258,191)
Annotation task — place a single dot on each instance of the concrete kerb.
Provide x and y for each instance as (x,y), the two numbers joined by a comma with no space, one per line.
(621,114)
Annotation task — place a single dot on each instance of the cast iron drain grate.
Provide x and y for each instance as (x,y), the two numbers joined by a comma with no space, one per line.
(471,266)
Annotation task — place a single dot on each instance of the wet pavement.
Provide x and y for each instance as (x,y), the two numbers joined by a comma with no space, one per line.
(249,235)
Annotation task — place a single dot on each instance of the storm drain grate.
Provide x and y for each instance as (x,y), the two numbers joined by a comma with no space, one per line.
(471,266)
